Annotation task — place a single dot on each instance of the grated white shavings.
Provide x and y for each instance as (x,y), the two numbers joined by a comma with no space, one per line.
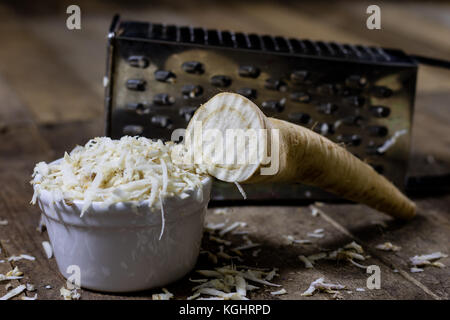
(109,171)
(14,292)
(162,296)
(215,226)
(226,256)
(30,287)
(353,245)
(360,289)
(220,211)
(349,252)
(163,220)
(289,239)
(247,246)
(48,249)
(315,235)
(69,294)
(428,260)
(219,240)
(279,292)
(415,270)
(231,227)
(6,278)
(241,190)
(388,246)
(314,211)
(14,272)
(20,257)
(3,222)
(230,282)
(320,285)
(391,141)
(305,260)
(194,296)
(30,298)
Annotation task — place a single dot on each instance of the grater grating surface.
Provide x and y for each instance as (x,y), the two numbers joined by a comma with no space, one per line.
(359,96)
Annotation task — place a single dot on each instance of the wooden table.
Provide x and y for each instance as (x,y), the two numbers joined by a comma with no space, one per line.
(51,98)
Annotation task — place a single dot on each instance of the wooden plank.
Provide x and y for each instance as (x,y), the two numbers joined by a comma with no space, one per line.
(424,234)
(40,78)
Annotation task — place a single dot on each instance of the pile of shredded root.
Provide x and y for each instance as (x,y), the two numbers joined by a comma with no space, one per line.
(110,171)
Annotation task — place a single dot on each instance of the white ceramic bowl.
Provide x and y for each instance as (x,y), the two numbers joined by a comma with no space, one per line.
(117,249)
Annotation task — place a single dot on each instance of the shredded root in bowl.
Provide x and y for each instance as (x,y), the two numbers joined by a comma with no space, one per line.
(106,170)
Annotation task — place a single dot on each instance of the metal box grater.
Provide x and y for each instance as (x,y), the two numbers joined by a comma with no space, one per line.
(157,75)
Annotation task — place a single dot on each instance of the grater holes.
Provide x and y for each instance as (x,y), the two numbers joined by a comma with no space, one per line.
(349,139)
(191,91)
(274,105)
(378,131)
(324,128)
(354,101)
(352,50)
(163,99)
(198,35)
(380,111)
(249,93)
(299,117)
(372,149)
(136,84)
(138,61)
(165,76)
(365,52)
(352,120)
(297,46)
(240,40)
(220,81)
(327,108)
(311,47)
(381,91)
(254,41)
(275,84)
(184,34)
(299,76)
(155,31)
(170,33)
(187,113)
(133,130)
(340,49)
(325,48)
(268,43)
(194,67)
(300,97)
(138,108)
(281,44)
(162,121)
(356,81)
(249,71)
(326,89)
(378,53)
(226,39)
(212,37)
